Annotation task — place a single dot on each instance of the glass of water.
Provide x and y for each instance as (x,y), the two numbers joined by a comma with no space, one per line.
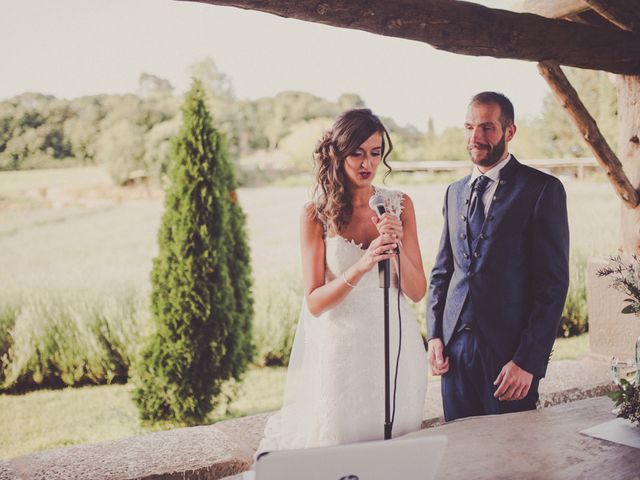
(622,369)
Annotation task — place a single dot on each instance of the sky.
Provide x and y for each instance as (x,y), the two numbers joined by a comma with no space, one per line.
(70,48)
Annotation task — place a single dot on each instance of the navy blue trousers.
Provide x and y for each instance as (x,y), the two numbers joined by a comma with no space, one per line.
(467,388)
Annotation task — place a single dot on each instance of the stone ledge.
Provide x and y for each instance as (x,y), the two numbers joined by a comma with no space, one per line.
(6,473)
(227,448)
(205,452)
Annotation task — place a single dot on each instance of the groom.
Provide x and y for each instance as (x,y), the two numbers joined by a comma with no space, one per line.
(501,275)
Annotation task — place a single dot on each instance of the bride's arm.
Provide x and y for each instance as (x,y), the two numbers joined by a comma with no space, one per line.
(414,283)
(320,294)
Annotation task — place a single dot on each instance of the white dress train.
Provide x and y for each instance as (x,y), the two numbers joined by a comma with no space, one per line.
(334,391)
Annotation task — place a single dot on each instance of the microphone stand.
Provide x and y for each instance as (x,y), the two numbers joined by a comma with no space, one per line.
(377,204)
(384,273)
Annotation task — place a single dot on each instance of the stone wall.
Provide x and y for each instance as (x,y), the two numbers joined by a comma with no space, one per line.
(611,333)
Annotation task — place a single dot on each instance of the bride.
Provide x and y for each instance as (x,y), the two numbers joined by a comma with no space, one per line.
(335,383)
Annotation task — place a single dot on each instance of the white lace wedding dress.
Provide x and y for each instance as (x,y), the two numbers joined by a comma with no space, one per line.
(335,384)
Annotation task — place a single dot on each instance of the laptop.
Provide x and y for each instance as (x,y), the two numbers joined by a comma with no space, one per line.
(414,458)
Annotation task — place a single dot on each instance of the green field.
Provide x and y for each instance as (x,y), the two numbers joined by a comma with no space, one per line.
(60,240)
(56,418)
(111,242)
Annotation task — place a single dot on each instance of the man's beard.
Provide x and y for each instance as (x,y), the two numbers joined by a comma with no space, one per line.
(493,155)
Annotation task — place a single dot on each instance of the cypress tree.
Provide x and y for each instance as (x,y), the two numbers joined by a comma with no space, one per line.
(241,344)
(201,280)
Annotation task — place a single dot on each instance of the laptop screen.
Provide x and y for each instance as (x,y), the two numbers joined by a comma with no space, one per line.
(414,458)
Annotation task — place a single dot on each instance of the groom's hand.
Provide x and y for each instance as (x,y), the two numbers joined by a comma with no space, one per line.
(513,383)
(438,362)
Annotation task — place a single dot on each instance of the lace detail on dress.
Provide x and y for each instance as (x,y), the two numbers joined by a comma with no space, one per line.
(394,199)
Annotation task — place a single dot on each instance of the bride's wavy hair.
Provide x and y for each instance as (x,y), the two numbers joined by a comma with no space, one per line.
(332,194)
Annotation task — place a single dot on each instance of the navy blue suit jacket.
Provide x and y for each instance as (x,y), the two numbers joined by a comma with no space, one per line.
(516,276)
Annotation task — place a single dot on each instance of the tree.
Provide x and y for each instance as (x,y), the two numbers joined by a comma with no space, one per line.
(449,145)
(213,79)
(157,148)
(120,148)
(82,127)
(201,280)
(348,101)
(298,145)
(149,85)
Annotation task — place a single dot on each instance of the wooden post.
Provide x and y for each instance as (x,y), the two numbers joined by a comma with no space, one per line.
(568,98)
(629,154)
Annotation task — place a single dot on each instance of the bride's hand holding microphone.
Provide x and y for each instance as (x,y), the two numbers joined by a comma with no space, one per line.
(381,248)
(389,225)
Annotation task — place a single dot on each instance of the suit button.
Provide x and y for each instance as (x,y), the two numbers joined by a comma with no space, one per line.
(470,274)
(463,236)
(495,197)
(465,255)
(503,182)
(463,218)
(482,236)
(490,217)
(476,255)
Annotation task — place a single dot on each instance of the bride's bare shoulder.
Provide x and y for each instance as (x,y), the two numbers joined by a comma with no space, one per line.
(309,218)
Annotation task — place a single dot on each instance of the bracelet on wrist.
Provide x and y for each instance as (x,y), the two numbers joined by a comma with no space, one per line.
(344,279)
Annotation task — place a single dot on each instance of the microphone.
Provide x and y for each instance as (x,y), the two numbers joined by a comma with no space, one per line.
(376,203)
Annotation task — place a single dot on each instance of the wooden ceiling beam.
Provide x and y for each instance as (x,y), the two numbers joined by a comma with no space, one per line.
(624,14)
(469,29)
(553,8)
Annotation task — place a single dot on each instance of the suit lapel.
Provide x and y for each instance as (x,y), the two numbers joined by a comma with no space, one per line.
(503,196)
(510,169)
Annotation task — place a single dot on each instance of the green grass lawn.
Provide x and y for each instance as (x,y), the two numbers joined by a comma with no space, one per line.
(56,418)
(570,348)
(47,419)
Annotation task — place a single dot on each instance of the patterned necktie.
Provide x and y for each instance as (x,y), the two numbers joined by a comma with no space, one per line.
(476,208)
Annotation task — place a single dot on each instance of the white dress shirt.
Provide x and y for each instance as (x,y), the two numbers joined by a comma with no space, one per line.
(494,176)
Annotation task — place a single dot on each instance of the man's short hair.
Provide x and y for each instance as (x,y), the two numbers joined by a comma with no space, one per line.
(507,116)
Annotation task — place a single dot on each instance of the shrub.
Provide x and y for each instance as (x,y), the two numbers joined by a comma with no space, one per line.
(627,397)
(71,339)
(201,317)
(8,314)
(575,317)
(278,303)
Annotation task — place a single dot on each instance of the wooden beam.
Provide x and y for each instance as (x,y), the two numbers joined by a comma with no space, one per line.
(624,14)
(569,99)
(469,29)
(593,18)
(554,8)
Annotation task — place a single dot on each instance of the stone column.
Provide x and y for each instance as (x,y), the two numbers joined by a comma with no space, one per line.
(629,155)
(612,333)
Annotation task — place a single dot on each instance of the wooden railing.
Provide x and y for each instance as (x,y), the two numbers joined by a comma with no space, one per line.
(576,166)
